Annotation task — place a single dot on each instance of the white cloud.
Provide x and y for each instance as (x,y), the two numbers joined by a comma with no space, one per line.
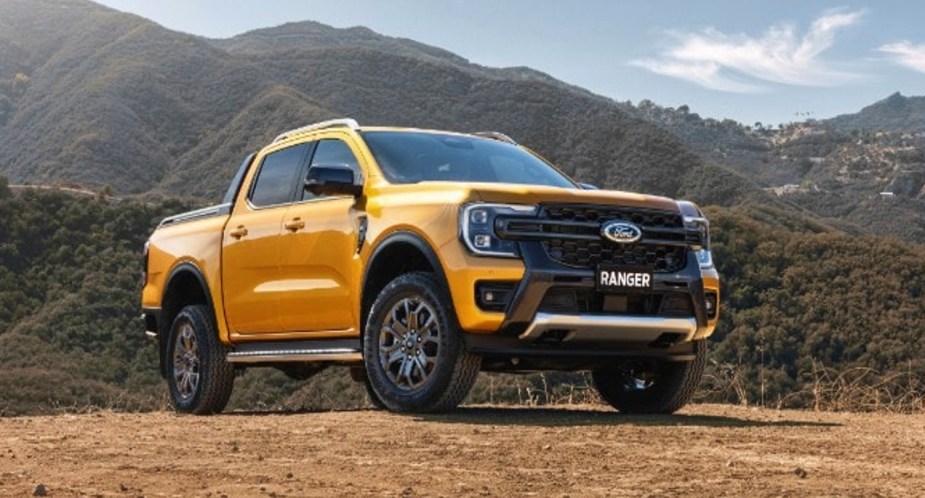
(740,63)
(907,54)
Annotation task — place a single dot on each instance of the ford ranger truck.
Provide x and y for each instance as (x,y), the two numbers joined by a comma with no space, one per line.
(418,258)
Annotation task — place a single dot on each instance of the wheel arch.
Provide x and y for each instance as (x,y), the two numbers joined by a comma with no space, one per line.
(397,253)
(185,285)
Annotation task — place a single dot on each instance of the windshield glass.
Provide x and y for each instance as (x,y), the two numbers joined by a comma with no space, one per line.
(412,157)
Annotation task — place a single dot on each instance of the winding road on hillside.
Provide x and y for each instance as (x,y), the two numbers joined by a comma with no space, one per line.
(706,450)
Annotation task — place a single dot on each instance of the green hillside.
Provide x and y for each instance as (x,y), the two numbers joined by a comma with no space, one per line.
(864,180)
(896,113)
(110,98)
(795,293)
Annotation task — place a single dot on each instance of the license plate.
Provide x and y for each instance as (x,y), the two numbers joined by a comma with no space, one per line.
(623,278)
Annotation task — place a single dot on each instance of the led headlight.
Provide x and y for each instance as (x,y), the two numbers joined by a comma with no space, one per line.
(695,221)
(477,228)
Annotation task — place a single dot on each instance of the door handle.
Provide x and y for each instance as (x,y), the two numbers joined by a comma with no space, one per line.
(294,225)
(238,232)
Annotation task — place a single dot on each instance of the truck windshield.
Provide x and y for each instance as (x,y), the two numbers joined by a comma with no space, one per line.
(412,157)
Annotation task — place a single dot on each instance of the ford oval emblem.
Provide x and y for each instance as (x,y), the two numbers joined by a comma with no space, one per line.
(621,232)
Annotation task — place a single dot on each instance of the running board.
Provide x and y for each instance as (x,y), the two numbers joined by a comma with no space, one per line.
(297,352)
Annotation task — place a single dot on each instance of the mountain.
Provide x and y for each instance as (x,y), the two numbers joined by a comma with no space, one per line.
(110,98)
(895,113)
(862,181)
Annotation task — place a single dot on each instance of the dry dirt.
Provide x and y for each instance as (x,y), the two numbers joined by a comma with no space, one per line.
(706,450)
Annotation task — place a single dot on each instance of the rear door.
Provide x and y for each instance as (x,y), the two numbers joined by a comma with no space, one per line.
(318,252)
(251,245)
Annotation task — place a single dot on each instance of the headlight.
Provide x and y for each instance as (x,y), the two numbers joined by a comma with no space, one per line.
(694,220)
(477,228)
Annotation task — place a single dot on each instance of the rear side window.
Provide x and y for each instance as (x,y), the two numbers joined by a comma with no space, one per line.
(277,176)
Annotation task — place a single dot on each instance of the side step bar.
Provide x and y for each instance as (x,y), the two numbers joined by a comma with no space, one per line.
(297,352)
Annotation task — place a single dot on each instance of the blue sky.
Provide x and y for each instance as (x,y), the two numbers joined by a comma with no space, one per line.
(772,62)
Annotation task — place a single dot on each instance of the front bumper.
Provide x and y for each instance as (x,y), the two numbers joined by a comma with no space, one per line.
(572,339)
(595,328)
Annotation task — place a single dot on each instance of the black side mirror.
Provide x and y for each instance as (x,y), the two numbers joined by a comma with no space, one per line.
(336,179)
(588,186)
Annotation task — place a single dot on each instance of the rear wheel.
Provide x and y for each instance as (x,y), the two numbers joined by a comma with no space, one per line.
(652,386)
(200,380)
(413,350)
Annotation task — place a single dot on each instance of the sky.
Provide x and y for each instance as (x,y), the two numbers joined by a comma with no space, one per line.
(770,61)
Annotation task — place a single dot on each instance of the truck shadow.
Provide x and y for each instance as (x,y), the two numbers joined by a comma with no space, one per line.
(559,417)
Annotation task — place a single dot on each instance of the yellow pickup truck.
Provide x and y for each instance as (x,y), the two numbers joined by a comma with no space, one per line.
(418,258)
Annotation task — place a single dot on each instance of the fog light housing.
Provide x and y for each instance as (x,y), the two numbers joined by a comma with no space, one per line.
(711,304)
(494,296)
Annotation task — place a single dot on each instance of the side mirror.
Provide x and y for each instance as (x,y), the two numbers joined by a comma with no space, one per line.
(588,186)
(335,179)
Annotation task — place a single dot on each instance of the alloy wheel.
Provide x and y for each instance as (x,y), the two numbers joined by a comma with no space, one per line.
(409,343)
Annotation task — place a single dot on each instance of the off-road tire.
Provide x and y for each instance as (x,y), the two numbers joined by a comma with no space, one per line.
(673,387)
(216,375)
(455,369)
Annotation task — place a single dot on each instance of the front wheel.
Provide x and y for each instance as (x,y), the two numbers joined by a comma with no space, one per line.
(413,350)
(649,386)
(200,380)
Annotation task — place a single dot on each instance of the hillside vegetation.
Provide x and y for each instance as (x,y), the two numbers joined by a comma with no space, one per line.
(863,172)
(797,295)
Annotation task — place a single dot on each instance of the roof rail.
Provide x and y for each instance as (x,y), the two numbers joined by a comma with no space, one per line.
(331,123)
(495,135)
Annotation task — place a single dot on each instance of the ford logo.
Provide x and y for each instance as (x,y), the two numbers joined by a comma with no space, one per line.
(621,232)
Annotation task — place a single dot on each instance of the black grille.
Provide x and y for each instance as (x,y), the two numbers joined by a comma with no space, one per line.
(642,217)
(571,235)
(584,253)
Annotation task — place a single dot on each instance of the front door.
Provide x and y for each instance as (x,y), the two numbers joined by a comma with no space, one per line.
(251,244)
(318,253)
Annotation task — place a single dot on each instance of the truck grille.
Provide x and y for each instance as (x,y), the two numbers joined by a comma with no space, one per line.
(571,235)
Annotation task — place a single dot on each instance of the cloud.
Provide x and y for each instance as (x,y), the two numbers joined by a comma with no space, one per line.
(905,53)
(741,63)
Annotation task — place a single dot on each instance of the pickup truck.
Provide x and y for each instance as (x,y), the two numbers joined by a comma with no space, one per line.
(418,258)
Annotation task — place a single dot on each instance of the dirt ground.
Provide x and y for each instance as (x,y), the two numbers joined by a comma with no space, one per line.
(706,450)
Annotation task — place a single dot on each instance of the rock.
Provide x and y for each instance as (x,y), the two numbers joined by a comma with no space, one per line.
(799,472)
(40,490)
(289,475)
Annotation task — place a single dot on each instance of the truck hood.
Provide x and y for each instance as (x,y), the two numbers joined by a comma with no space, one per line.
(534,194)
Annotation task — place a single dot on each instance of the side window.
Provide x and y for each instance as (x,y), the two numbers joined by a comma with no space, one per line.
(334,152)
(277,176)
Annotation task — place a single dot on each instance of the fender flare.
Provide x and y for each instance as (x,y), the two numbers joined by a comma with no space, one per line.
(166,321)
(403,237)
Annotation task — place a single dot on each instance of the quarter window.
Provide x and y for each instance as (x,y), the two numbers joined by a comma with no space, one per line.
(277,176)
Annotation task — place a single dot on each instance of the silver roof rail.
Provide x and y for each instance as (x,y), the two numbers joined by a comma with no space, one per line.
(495,135)
(331,123)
